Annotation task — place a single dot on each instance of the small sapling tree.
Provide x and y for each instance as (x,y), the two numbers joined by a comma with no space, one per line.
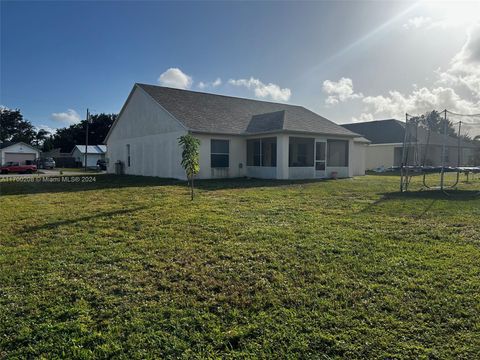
(190,157)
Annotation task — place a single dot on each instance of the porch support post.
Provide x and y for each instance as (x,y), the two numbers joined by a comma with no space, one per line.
(282,156)
(351,165)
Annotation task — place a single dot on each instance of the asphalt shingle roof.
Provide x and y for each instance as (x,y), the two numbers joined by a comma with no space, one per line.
(392,131)
(389,131)
(211,113)
(92,149)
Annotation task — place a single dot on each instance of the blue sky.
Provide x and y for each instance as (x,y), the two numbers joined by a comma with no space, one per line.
(348,61)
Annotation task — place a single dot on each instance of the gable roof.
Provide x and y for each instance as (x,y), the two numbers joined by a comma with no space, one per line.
(392,131)
(7,144)
(91,149)
(219,114)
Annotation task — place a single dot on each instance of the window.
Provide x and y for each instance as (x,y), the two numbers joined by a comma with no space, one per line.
(219,153)
(300,152)
(128,155)
(262,152)
(337,152)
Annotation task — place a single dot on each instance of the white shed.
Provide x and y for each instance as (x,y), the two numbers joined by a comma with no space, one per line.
(94,153)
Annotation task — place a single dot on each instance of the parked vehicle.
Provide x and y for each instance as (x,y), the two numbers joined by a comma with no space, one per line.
(48,163)
(101,164)
(15,167)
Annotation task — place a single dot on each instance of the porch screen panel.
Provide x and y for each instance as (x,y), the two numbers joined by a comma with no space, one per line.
(269,151)
(300,152)
(262,152)
(337,153)
(253,152)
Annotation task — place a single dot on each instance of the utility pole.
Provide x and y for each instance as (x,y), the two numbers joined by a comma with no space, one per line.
(86,140)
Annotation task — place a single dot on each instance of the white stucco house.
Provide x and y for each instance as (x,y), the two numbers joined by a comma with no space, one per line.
(18,152)
(94,153)
(238,137)
(386,145)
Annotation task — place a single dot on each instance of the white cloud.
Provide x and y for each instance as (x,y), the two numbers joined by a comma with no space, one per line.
(419,101)
(339,91)
(363,117)
(69,117)
(176,78)
(464,68)
(46,128)
(418,22)
(464,71)
(203,85)
(262,90)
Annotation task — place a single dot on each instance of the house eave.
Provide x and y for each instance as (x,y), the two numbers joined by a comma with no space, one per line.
(280,131)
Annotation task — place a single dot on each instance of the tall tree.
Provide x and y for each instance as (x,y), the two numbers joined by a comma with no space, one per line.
(68,137)
(435,121)
(40,137)
(14,128)
(190,157)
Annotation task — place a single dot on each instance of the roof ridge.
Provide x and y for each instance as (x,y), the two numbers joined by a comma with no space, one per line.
(227,96)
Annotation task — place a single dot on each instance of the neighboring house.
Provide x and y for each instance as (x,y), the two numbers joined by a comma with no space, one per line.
(94,153)
(238,137)
(386,146)
(18,152)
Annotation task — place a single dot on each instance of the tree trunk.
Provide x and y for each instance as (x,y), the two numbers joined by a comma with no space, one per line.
(191,182)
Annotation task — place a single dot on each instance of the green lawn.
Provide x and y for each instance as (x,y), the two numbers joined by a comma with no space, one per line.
(129,267)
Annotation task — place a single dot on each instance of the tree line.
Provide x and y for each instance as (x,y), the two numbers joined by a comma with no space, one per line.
(15,128)
(435,122)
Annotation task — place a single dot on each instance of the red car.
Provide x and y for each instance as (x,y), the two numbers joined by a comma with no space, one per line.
(15,167)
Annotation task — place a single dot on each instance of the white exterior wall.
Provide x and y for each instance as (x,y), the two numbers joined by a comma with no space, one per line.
(18,148)
(237,157)
(283,171)
(379,155)
(91,158)
(359,158)
(152,134)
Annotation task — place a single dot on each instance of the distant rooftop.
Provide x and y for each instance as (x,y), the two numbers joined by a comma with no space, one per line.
(392,131)
(91,149)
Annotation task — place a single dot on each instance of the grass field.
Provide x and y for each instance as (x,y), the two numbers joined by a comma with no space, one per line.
(129,267)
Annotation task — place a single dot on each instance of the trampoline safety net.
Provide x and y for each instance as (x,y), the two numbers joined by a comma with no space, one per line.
(441,151)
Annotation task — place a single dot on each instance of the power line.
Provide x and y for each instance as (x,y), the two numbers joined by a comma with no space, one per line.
(468,115)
